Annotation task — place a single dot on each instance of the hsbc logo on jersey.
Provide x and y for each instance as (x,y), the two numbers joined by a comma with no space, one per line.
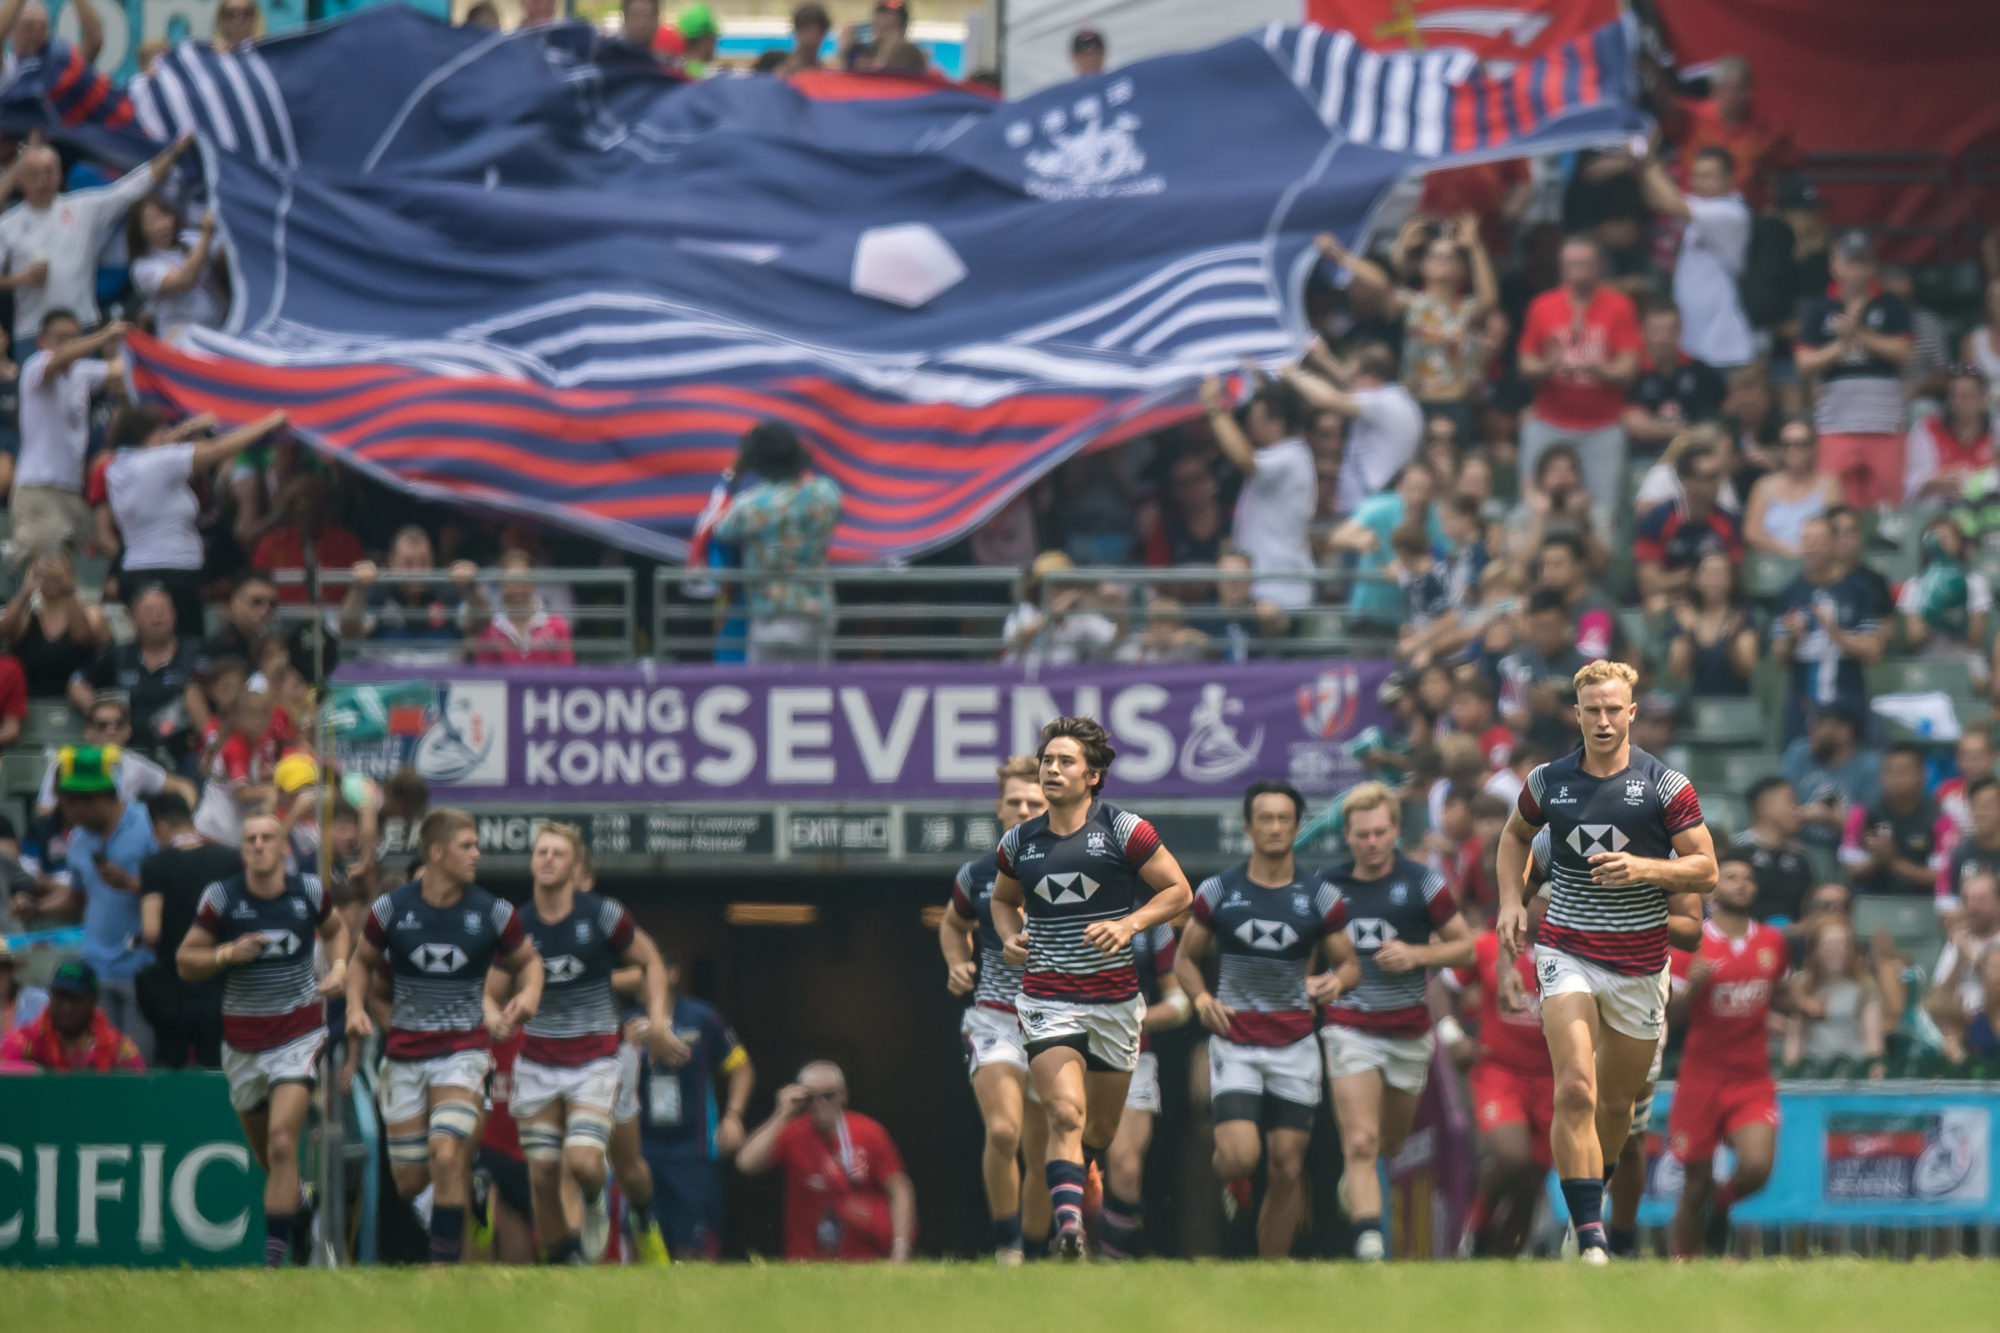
(1272,935)
(281,944)
(440,958)
(1370,932)
(563,967)
(1073,887)
(1594,839)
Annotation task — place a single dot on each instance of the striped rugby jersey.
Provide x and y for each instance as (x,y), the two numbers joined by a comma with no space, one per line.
(268,1002)
(1639,810)
(1069,882)
(1407,903)
(1264,942)
(438,958)
(1153,952)
(972,899)
(578,1018)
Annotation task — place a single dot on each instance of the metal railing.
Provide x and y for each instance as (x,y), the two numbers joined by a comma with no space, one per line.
(599,605)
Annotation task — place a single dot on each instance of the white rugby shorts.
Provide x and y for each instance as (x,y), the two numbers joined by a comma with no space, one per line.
(252,1074)
(1110,1031)
(404,1089)
(1289,1073)
(1143,1093)
(992,1037)
(536,1085)
(1404,1062)
(1636,1007)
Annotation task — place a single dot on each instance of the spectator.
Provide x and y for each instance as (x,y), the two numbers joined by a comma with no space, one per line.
(1167,636)
(1506,785)
(1475,712)
(1825,630)
(1982,1031)
(1945,449)
(1672,537)
(1750,415)
(49,242)
(1848,544)
(524,633)
(1830,901)
(29,25)
(1837,1008)
(240,761)
(1384,424)
(1890,848)
(534,13)
(19,1005)
(1237,615)
(175,275)
(1191,527)
(1673,390)
(1537,680)
(108,725)
(699,34)
(1429,616)
(1727,120)
(1832,772)
(13,700)
(1093,507)
(1071,631)
(1367,534)
(108,839)
(1980,350)
(155,673)
(1714,648)
(1465,534)
(237,24)
(1855,342)
(1930,346)
(186,1015)
(639,24)
(810,25)
(52,633)
(1441,317)
(484,14)
(301,507)
(246,619)
(72,1035)
(1978,852)
(1958,993)
(1975,757)
(1782,501)
(846,1193)
(153,468)
(1715,243)
(1661,483)
(1086,52)
(1554,506)
(1777,857)
(1274,510)
(56,385)
(1945,607)
(1654,725)
(1787,264)
(783,523)
(422,623)
(1580,349)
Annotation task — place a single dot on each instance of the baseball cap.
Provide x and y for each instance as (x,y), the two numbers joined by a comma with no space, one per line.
(1086,39)
(75,977)
(1799,194)
(696,21)
(1854,245)
(83,770)
(295,771)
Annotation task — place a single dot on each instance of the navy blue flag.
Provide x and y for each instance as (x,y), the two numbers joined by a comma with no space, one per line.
(537,272)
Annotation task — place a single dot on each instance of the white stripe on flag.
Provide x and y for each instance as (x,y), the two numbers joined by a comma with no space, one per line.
(1442,71)
(1302,58)
(1338,58)
(1396,98)
(281,116)
(140,90)
(246,105)
(173,96)
(1274,37)
(220,123)
(1367,74)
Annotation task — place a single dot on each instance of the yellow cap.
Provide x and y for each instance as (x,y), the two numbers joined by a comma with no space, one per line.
(295,771)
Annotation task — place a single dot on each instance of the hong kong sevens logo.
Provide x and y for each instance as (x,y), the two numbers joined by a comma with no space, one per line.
(1591,839)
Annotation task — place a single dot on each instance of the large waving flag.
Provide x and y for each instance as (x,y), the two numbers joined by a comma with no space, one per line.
(524,271)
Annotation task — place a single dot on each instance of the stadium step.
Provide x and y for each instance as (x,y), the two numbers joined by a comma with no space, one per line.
(1713,721)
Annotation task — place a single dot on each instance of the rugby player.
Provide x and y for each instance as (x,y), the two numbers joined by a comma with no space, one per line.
(1266,920)
(440,934)
(1402,921)
(1616,816)
(257,928)
(1074,885)
(1167,1007)
(1724,992)
(566,1080)
(996,1058)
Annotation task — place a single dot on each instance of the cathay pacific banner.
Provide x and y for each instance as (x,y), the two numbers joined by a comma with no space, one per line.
(847,732)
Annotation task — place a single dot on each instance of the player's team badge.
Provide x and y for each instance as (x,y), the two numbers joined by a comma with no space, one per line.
(1398,894)
(1765,958)
(243,911)
(1549,973)
(1635,791)
(1094,844)
(472,923)
(299,908)
(1300,905)
(583,932)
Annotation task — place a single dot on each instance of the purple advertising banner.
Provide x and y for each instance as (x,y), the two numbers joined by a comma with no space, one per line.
(863,731)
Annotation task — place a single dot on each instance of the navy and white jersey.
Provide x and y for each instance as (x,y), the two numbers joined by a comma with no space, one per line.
(1069,882)
(1620,928)
(972,899)
(578,1018)
(1264,942)
(1407,903)
(269,1001)
(1539,853)
(1153,952)
(438,959)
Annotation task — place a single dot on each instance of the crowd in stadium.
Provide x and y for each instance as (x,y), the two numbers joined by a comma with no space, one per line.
(1646,405)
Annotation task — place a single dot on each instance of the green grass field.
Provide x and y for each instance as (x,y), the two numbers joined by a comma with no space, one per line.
(965,1298)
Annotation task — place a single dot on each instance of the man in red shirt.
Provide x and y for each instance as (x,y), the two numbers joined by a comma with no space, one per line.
(72,1035)
(13,699)
(1580,349)
(302,506)
(1724,993)
(1513,1095)
(846,1193)
(1726,120)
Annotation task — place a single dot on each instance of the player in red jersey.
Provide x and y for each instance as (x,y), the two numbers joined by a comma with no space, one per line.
(502,1168)
(1724,992)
